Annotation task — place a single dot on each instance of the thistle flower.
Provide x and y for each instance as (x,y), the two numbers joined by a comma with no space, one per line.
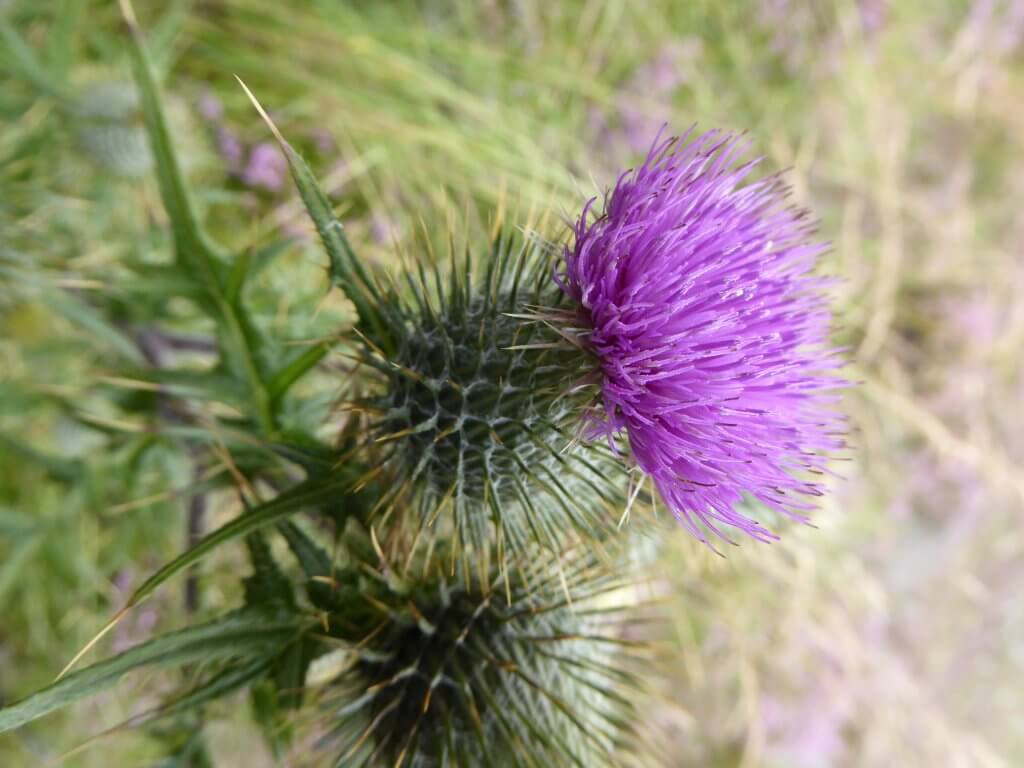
(694,292)
(455,671)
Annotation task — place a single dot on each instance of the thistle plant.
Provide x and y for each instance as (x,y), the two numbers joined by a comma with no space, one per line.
(457,552)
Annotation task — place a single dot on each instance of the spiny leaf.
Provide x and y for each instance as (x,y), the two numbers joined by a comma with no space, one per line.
(223,682)
(312,558)
(311,493)
(267,585)
(347,272)
(315,563)
(239,339)
(193,247)
(246,634)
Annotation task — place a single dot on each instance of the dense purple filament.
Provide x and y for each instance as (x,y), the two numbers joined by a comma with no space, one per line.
(711,332)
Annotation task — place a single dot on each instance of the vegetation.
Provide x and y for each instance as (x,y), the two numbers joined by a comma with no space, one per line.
(171,359)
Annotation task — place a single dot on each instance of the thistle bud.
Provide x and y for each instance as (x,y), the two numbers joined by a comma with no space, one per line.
(456,671)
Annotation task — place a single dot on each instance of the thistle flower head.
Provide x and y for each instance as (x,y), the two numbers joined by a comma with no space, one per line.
(476,414)
(695,294)
(450,670)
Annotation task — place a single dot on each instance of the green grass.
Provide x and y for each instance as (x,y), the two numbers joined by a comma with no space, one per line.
(890,635)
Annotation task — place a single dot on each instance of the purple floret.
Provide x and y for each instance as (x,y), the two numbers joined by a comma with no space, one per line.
(711,334)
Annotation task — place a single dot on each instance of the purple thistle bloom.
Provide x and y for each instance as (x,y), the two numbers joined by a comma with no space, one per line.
(710,332)
(266,167)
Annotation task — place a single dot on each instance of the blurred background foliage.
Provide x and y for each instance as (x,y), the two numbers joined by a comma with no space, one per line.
(892,634)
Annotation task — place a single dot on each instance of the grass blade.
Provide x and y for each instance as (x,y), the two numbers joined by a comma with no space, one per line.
(245,634)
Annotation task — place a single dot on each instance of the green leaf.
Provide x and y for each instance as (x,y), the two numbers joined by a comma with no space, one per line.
(210,385)
(311,556)
(346,271)
(310,493)
(290,671)
(237,277)
(243,635)
(158,282)
(241,342)
(304,450)
(196,253)
(185,744)
(267,585)
(12,567)
(281,691)
(18,524)
(316,565)
(295,369)
(221,684)
(193,247)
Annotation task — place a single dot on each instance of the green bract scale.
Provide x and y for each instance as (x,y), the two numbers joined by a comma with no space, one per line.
(470,396)
(481,403)
(450,672)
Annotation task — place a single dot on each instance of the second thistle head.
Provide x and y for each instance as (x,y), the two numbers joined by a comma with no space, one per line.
(453,671)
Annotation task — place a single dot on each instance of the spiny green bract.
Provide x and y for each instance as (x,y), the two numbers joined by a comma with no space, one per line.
(455,672)
(481,406)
